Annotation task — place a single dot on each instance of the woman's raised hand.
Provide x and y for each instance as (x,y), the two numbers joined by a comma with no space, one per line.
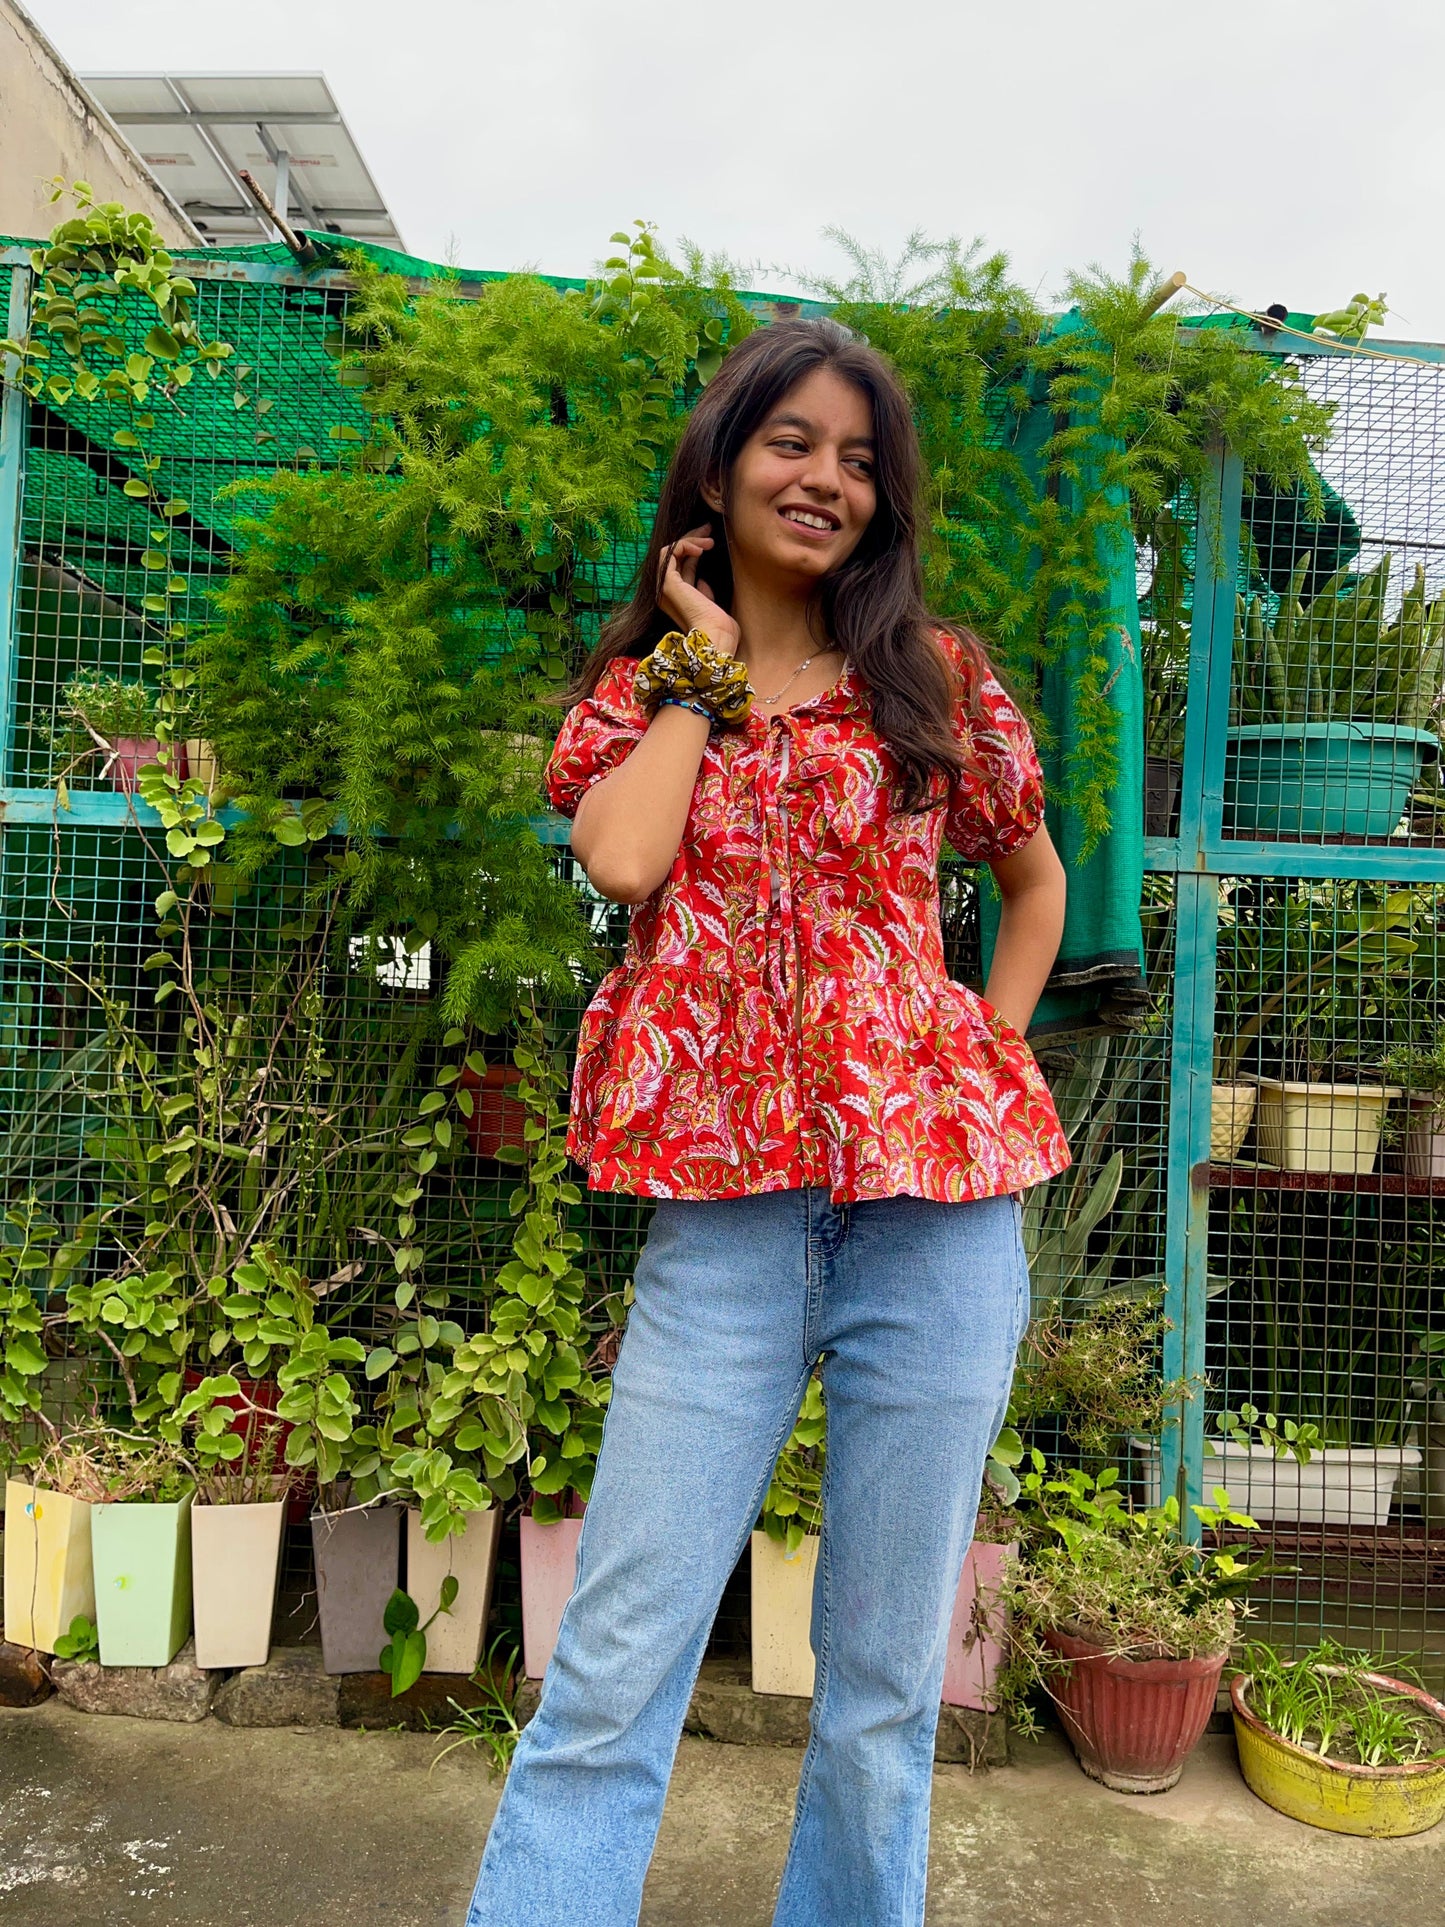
(684,596)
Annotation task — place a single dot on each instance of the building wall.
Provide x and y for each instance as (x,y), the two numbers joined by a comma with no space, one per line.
(49,125)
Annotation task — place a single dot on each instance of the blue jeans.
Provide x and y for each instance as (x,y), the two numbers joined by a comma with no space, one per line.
(915,1310)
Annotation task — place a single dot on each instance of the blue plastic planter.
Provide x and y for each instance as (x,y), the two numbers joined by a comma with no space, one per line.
(1322,779)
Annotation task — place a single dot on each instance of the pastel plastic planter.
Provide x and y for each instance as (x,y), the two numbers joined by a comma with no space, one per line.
(49,1577)
(975,1654)
(236,1551)
(549,1574)
(358,1563)
(1378,1802)
(782,1613)
(1301,1126)
(454,1639)
(1425,1141)
(142,1555)
(1231,1112)
(1342,1485)
(1321,779)
(1133,1723)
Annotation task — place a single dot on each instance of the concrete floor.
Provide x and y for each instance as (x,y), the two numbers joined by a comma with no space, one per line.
(124,1823)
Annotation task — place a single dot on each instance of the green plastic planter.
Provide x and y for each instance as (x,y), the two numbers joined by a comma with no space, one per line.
(142,1557)
(1321,779)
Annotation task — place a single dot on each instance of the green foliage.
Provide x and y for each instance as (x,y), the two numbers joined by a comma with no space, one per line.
(1020,537)
(1123,1579)
(521,1391)
(492,1724)
(1250,1427)
(793,1504)
(1336,658)
(26,1258)
(403,1657)
(1099,1375)
(80,1642)
(1326,1702)
(111,706)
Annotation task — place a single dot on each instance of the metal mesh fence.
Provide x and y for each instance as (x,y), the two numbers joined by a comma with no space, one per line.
(1319,1310)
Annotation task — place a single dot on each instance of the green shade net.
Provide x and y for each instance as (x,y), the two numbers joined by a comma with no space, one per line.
(1098,980)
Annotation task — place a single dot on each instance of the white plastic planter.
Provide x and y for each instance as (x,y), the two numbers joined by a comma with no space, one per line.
(454,1639)
(235,1553)
(1341,1485)
(1425,1142)
(1231,1111)
(1321,1127)
(782,1616)
(49,1578)
(549,1573)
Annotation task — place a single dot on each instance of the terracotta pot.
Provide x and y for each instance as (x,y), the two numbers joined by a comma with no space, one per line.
(130,754)
(254,1425)
(497,1117)
(1133,1722)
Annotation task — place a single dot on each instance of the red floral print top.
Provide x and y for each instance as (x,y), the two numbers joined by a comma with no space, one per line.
(783,1016)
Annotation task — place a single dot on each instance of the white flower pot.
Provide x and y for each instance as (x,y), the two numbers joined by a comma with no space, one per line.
(454,1639)
(1231,1111)
(1341,1485)
(1321,1127)
(235,1554)
(49,1577)
(782,1616)
(1425,1142)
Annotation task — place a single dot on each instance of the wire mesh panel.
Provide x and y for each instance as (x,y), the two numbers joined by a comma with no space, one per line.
(1325,1252)
(1340,625)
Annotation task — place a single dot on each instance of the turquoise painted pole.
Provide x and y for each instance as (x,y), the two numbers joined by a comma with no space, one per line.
(12,477)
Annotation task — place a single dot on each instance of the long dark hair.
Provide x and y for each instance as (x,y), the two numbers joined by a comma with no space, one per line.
(872,607)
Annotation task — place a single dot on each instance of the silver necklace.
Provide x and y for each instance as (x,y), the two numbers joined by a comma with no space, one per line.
(768,701)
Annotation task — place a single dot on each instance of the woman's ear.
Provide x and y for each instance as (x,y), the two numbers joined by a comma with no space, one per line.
(712,494)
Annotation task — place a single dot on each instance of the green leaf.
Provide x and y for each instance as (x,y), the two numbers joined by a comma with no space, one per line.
(380,1362)
(450,1587)
(400,1614)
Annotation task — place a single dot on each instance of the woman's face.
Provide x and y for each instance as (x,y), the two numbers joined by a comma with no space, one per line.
(803,490)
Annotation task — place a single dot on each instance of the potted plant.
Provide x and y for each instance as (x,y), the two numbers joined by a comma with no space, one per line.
(1336,707)
(357,1550)
(118,718)
(783,1556)
(49,1575)
(1124,1624)
(236,1526)
(1420,1070)
(1332,1740)
(140,1538)
(452,1529)
(1299,970)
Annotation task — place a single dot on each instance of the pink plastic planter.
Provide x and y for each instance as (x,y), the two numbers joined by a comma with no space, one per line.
(549,1572)
(975,1655)
(130,754)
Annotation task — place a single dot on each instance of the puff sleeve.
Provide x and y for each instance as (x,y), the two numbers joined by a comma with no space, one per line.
(996,805)
(598,735)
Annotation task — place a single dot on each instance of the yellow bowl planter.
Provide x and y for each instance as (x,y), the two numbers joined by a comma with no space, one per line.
(1379,1802)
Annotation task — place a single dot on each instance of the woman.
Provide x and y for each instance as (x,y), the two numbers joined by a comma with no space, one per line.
(834,1130)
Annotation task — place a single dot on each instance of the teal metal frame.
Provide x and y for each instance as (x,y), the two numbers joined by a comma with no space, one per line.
(1197,859)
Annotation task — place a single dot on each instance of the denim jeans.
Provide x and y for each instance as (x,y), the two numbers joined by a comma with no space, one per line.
(915,1310)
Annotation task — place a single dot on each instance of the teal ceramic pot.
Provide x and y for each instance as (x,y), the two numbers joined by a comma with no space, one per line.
(1322,779)
(142,1557)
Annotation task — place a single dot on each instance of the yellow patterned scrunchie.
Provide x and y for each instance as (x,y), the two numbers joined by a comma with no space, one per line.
(689,666)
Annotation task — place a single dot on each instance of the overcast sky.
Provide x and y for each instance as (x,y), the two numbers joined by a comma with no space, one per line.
(1276,150)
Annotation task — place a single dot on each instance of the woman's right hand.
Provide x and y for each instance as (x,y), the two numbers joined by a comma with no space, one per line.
(687,599)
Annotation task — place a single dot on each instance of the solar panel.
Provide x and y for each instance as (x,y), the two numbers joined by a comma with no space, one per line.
(198,131)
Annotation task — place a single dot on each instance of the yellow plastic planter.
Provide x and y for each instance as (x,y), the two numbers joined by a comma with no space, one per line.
(1378,1802)
(48,1574)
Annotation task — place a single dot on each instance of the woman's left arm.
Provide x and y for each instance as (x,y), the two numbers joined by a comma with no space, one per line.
(1033,887)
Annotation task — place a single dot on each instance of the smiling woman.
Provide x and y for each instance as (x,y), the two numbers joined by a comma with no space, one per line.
(835,1131)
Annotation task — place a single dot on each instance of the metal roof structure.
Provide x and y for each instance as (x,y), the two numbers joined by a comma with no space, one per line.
(196,132)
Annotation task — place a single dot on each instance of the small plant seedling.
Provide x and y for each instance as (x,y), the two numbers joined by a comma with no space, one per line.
(404,1655)
(82,1641)
(493,1723)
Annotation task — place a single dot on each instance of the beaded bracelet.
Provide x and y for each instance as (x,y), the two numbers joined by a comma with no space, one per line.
(683,702)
